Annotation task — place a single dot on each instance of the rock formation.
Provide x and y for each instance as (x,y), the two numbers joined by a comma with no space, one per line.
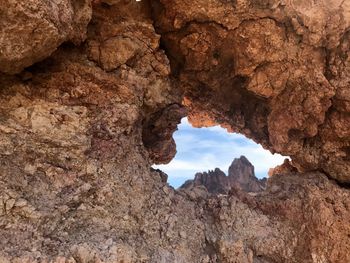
(91,92)
(240,176)
(32,30)
(214,181)
(276,71)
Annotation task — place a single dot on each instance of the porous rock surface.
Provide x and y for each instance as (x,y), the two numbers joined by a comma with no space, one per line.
(276,71)
(31,30)
(240,177)
(80,129)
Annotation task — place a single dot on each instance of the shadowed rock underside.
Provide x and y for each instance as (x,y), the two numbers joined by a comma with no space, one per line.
(91,93)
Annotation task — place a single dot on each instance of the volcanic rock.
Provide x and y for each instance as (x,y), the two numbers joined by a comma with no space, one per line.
(276,71)
(241,176)
(81,125)
(214,181)
(32,30)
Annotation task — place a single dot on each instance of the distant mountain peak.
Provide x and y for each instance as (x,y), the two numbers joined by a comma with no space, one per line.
(240,176)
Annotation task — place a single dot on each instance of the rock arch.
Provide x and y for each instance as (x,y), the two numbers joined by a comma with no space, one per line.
(80,127)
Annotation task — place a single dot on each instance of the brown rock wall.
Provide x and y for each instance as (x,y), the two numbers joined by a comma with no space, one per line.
(32,30)
(268,69)
(80,130)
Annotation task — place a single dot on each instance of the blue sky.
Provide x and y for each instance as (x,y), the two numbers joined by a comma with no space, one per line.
(202,149)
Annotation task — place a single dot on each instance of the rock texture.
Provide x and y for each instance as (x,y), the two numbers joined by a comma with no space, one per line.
(240,176)
(82,121)
(276,71)
(31,30)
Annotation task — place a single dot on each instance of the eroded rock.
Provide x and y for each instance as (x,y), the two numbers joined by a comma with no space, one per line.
(80,130)
(32,30)
(240,176)
(270,70)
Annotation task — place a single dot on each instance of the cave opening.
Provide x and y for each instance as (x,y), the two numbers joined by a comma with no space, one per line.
(214,149)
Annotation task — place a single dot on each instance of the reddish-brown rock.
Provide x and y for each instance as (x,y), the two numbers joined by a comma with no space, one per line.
(32,30)
(80,130)
(275,71)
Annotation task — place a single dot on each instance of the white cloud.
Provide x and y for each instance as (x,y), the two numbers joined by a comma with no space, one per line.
(207,148)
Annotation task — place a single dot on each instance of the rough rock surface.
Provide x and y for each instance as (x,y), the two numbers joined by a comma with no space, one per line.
(80,130)
(276,71)
(31,30)
(240,176)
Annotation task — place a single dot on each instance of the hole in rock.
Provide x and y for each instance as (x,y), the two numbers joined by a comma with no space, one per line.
(201,150)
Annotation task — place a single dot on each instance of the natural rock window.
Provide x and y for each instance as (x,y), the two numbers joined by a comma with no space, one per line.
(91,92)
(214,148)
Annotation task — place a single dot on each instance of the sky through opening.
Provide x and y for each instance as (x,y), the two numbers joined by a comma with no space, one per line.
(203,149)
